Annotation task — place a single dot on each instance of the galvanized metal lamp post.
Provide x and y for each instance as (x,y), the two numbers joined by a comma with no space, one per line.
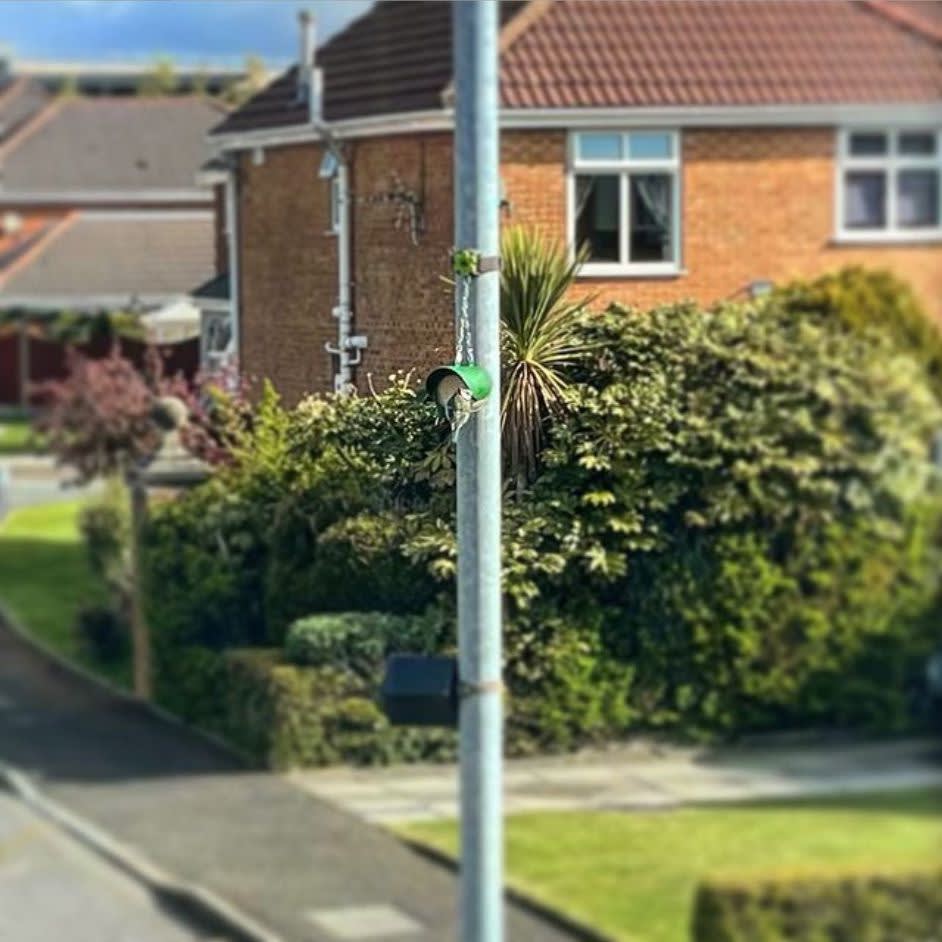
(477,199)
(429,691)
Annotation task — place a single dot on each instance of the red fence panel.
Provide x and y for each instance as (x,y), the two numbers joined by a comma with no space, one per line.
(48,360)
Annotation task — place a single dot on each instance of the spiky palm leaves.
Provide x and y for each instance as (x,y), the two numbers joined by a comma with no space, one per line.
(539,341)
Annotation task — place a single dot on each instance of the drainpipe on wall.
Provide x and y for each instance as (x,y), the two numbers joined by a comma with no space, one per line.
(349,347)
(343,312)
(232,244)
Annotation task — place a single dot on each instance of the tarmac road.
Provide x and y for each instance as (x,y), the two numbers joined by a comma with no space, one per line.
(53,889)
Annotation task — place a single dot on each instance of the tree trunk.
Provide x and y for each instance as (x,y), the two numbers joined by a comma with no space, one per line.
(140,634)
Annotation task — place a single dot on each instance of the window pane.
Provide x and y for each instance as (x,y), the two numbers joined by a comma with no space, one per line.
(649,146)
(600,146)
(652,216)
(597,215)
(917,194)
(867,144)
(865,200)
(917,143)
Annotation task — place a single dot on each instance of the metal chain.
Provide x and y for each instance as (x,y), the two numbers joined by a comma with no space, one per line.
(465,347)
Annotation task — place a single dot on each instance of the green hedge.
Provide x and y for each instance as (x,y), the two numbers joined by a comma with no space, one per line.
(851,907)
(361,641)
(735,527)
(283,716)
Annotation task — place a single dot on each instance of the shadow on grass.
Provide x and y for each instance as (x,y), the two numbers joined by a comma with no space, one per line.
(910,801)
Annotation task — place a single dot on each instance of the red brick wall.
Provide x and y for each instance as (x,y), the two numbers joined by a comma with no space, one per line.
(757,204)
(220,242)
(400,301)
(288,271)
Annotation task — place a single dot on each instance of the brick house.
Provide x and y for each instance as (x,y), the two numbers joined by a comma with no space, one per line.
(100,210)
(701,149)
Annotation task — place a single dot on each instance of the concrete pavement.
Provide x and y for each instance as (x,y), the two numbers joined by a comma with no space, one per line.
(298,866)
(26,480)
(637,778)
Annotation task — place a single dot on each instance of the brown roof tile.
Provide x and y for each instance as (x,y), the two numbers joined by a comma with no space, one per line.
(110,259)
(114,143)
(628,53)
(394,58)
(654,53)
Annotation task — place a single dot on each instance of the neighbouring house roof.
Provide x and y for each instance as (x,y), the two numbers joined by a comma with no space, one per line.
(625,53)
(20,99)
(117,145)
(30,230)
(216,289)
(395,58)
(112,260)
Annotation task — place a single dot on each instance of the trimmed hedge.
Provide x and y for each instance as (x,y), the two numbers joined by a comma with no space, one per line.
(849,907)
(360,641)
(735,527)
(282,716)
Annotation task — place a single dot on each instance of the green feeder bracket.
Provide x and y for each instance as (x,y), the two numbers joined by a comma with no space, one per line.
(446,382)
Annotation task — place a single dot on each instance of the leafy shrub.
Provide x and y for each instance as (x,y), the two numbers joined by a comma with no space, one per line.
(736,528)
(204,556)
(850,907)
(282,715)
(872,301)
(99,419)
(749,498)
(104,634)
(565,691)
(360,641)
(105,525)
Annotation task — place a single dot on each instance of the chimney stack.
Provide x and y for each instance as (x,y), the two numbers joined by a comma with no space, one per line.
(307,83)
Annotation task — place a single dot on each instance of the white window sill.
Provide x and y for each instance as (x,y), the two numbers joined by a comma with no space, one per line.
(631,271)
(887,237)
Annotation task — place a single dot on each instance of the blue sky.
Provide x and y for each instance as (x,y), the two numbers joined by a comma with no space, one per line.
(191,31)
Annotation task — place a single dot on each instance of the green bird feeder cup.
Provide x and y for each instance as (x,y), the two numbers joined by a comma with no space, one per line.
(445,382)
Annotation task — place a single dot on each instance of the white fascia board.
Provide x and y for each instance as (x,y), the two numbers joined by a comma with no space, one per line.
(212,305)
(410,122)
(149,215)
(743,116)
(829,115)
(211,177)
(84,197)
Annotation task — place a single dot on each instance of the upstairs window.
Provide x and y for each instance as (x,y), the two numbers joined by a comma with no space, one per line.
(888,184)
(624,199)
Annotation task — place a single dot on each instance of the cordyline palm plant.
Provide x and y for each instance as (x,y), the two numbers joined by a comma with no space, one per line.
(539,341)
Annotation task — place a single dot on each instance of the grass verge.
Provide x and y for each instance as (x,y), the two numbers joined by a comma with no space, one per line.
(633,875)
(45,580)
(16,437)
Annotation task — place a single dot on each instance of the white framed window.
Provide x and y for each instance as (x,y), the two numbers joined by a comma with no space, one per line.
(624,201)
(888,184)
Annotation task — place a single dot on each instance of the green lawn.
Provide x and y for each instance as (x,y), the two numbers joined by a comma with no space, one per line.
(16,436)
(45,580)
(633,875)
